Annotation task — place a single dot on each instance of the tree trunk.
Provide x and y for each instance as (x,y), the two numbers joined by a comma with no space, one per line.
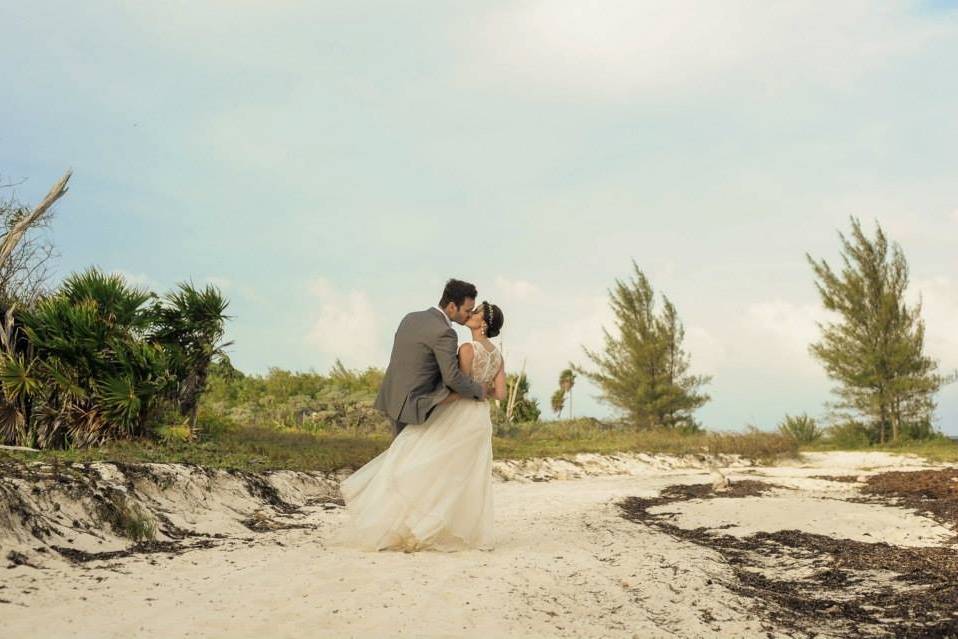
(194,392)
(882,414)
(896,420)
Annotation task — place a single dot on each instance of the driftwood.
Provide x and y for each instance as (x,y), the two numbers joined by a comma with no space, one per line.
(14,235)
(510,407)
(25,448)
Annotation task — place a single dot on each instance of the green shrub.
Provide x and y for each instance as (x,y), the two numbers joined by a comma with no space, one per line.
(128,518)
(525,408)
(918,430)
(174,433)
(213,424)
(803,429)
(850,434)
(341,400)
(92,362)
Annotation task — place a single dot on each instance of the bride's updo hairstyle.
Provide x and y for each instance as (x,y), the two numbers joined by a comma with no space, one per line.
(492,316)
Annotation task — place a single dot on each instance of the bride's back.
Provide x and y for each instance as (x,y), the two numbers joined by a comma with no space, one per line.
(485,363)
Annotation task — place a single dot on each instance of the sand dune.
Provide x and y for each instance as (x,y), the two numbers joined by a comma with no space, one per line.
(246,556)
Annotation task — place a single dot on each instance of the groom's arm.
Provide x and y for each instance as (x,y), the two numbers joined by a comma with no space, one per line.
(452,376)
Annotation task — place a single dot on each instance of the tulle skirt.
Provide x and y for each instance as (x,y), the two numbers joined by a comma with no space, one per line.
(431,489)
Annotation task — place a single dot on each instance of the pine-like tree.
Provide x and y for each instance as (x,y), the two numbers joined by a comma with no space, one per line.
(875,348)
(643,369)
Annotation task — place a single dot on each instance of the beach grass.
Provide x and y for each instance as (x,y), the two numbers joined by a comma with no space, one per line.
(243,448)
(253,448)
(562,438)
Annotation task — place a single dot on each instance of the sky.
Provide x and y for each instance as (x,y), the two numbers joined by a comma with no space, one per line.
(330,164)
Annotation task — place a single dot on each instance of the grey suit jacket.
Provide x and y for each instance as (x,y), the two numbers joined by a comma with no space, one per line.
(423,367)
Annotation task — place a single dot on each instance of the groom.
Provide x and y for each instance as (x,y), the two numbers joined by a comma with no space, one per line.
(424,364)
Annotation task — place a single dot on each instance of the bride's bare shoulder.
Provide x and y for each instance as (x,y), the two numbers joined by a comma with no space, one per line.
(466,349)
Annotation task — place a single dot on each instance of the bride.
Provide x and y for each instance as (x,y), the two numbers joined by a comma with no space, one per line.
(432,488)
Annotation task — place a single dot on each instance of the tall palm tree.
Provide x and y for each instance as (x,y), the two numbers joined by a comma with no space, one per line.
(190,324)
(566,382)
(558,402)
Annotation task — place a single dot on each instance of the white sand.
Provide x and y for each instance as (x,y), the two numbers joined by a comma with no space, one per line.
(566,565)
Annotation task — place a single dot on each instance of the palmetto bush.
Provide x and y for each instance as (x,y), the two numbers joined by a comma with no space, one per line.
(95,361)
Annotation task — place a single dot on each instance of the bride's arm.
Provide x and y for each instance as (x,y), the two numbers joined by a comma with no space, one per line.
(500,383)
(466,356)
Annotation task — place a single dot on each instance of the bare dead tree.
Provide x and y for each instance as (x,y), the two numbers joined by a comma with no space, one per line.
(25,260)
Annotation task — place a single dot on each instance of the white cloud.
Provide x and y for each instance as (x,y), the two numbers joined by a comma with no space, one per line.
(706,350)
(517,290)
(779,332)
(939,297)
(345,326)
(629,47)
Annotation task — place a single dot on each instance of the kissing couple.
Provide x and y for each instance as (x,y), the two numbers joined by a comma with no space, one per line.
(432,488)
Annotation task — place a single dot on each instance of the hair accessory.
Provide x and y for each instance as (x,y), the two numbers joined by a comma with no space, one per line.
(487,314)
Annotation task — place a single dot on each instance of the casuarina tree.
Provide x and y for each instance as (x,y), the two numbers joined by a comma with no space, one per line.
(875,348)
(643,368)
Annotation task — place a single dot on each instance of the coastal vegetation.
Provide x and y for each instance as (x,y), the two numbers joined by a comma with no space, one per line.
(874,350)
(643,370)
(95,368)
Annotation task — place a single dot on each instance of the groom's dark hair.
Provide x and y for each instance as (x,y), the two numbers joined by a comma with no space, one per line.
(457,291)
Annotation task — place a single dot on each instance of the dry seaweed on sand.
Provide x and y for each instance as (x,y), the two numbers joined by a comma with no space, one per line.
(931,492)
(844,479)
(142,548)
(813,584)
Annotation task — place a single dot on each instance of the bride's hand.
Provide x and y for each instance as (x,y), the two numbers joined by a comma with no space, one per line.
(450,398)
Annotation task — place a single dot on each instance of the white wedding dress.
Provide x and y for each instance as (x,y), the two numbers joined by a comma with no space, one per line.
(432,488)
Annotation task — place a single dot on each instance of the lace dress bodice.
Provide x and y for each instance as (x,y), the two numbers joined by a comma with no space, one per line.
(485,363)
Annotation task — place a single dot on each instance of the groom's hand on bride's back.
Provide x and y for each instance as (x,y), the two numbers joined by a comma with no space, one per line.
(486,393)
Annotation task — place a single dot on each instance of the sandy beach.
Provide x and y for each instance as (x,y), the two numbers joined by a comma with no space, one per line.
(570,561)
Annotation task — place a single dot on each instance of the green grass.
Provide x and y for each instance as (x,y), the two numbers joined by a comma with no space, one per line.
(556,439)
(244,448)
(252,449)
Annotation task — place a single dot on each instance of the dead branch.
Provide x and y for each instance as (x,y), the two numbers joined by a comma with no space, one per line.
(14,235)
